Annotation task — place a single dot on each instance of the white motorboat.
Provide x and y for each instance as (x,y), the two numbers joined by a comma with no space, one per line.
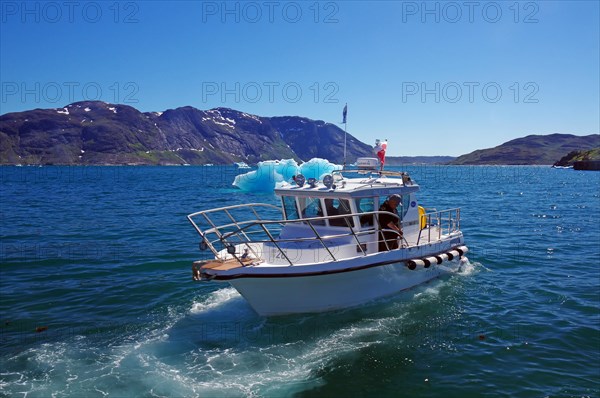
(325,247)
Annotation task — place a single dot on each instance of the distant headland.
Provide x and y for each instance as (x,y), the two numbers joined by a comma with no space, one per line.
(530,150)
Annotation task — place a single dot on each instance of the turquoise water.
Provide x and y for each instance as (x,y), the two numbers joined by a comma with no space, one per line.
(98,261)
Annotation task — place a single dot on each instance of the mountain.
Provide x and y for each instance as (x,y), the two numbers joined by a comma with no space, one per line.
(310,139)
(95,132)
(533,149)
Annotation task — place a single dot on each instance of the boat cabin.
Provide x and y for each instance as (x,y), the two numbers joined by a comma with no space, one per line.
(348,196)
(343,209)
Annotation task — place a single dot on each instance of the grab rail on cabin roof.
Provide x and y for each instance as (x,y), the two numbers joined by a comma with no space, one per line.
(241,234)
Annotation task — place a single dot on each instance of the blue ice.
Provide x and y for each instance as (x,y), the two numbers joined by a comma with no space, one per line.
(271,174)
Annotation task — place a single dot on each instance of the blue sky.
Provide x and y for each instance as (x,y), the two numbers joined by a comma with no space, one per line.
(434,78)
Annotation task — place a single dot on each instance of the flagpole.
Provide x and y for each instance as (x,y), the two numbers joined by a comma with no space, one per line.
(345,134)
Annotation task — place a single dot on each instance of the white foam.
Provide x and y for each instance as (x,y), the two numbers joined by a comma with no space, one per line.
(252,356)
(461,267)
(232,365)
(215,299)
(429,292)
(467,268)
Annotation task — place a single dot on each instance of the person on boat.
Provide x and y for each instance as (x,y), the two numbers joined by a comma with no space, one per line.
(380,148)
(388,221)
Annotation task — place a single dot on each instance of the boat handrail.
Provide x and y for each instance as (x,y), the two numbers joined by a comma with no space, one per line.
(310,221)
(242,233)
(227,211)
(231,207)
(453,223)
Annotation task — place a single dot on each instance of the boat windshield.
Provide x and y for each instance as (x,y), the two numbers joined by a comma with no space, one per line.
(311,207)
(308,207)
(336,207)
(406,199)
(289,206)
(364,205)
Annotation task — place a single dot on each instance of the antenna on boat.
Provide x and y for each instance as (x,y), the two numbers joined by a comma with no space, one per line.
(344,113)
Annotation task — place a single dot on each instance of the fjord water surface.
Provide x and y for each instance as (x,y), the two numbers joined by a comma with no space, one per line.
(96,296)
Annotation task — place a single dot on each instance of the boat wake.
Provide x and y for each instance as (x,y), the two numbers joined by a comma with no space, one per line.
(468,268)
(463,267)
(217,299)
(217,346)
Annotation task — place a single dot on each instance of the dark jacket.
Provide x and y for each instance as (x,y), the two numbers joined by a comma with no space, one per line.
(384,220)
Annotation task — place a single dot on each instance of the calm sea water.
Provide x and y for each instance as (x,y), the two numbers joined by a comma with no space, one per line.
(97,297)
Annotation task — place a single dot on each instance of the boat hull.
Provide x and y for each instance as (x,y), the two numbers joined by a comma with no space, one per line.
(304,294)
(280,290)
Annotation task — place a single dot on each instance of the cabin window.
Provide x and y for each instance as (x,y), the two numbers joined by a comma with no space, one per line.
(336,207)
(289,206)
(311,207)
(365,205)
(405,206)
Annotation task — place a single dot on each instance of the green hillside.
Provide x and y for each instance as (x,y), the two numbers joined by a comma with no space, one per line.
(578,156)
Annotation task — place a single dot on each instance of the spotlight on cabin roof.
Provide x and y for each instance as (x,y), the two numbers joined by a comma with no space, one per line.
(299,180)
(312,182)
(328,181)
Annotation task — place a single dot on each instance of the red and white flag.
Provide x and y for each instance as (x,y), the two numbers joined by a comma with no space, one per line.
(380,148)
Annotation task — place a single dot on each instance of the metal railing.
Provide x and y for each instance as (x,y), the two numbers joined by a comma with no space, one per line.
(251,233)
(227,212)
(442,222)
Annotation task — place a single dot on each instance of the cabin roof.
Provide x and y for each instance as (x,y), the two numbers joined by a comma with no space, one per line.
(352,187)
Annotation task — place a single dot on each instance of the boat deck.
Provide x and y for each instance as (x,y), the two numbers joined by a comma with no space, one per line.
(220,265)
